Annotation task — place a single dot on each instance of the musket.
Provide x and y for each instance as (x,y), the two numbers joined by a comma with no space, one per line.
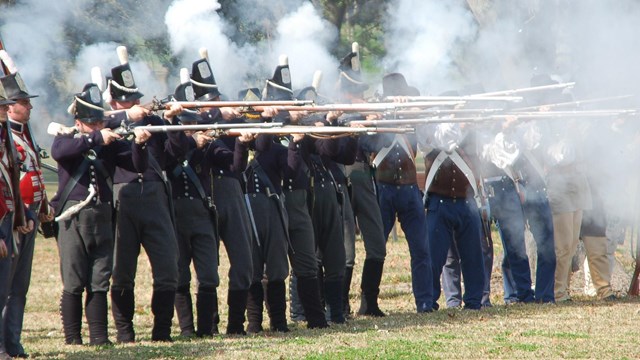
(49,167)
(443,112)
(575,103)
(364,107)
(156,105)
(455,98)
(55,128)
(315,130)
(577,113)
(421,121)
(526,90)
(233,104)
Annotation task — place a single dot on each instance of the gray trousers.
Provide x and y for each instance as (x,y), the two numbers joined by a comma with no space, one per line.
(366,211)
(13,313)
(270,257)
(328,228)
(303,258)
(85,245)
(235,230)
(144,219)
(196,241)
(5,270)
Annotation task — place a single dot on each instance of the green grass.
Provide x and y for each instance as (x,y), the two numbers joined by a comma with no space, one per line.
(585,328)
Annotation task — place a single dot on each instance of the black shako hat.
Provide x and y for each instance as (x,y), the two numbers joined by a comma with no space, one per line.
(14,87)
(184,92)
(394,84)
(202,80)
(122,85)
(249,94)
(3,97)
(350,80)
(279,86)
(88,105)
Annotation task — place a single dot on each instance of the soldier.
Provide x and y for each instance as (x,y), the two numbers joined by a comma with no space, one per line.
(505,193)
(264,190)
(529,168)
(153,229)
(233,220)
(87,160)
(302,255)
(362,202)
(328,191)
(196,221)
(7,209)
(34,197)
(399,195)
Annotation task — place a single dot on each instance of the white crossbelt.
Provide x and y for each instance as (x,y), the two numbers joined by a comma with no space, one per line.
(385,150)
(460,163)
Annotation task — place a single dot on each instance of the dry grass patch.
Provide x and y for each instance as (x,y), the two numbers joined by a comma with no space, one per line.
(584,328)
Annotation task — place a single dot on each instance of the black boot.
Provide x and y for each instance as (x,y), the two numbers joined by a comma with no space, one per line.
(255,301)
(184,310)
(333,298)
(96,312)
(162,303)
(207,308)
(371,277)
(71,313)
(277,300)
(309,293)
(346,287)
(237,302)
(297,309)
(122,307)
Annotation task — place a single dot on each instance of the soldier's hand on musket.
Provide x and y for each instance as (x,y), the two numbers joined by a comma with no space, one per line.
(377,116)
(229,113)
(141,135)
(46,216)
(202,139)
(544,108)
(296,116)
(109,136)
(137,113)
(297,137)
(246,136)
(332,116)
(269,112)
(509,121)
(3,249)
(172,111)
(27,228)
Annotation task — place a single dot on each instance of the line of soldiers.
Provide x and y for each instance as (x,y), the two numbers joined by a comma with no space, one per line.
(294,201)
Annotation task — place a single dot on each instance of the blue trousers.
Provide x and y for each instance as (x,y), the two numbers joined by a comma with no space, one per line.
(508,214)
(405,202)
(538,216)
(446,218)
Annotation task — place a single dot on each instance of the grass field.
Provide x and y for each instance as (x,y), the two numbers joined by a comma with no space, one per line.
(584,328)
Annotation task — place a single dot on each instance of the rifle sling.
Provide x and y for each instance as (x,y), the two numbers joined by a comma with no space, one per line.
(80,170)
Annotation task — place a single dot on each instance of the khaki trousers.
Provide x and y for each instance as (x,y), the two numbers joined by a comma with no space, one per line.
(598,260)
(566,231)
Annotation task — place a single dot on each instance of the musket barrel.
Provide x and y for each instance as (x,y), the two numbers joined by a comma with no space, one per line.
(526,90)
(201,104)
(205,127)
(455,98)
(576,103)
(327,130)
(365,107)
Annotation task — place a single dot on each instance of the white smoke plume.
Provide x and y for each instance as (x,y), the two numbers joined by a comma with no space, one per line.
(301,34)
(305,37)
(422,38)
